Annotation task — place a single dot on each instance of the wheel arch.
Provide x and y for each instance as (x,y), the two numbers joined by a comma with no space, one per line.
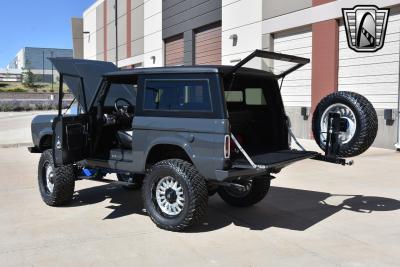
(45,141)
(163,151)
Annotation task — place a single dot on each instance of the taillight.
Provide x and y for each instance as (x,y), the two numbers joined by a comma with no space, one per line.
(227,147)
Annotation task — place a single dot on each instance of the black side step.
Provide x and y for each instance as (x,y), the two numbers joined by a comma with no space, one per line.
(106,181)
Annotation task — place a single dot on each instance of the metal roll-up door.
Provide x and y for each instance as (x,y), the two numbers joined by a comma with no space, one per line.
(296,89)
(374,75)
(208,45)
(174,51)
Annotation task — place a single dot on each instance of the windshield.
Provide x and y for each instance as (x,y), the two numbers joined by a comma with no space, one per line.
(124,91)
(73,108)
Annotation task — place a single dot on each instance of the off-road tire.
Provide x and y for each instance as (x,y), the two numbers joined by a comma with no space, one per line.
(137,184)
(64,181)
(366,127)
(194,189)
(258,190)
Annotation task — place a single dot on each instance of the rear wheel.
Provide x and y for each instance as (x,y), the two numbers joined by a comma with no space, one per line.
(56,185)
(361,118)
(174,194)
(255,189)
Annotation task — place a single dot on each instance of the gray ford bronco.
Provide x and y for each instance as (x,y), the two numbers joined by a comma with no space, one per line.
(183,133)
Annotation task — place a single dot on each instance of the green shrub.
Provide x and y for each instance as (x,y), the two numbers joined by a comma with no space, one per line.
(17,90)
(6,107)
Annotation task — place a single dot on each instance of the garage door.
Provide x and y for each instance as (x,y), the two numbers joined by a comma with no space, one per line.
(374,75)
(174,51)
(208,45)
(296,89)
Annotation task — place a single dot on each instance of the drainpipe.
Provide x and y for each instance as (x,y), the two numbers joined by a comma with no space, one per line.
(398,111)
(398,117)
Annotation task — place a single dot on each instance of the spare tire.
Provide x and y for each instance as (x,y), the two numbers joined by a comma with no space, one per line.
(362,122)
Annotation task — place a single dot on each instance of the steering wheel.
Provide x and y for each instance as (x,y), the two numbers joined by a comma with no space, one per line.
(122,109)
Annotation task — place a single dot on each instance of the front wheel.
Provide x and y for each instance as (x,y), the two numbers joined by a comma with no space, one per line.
(175,194)
(255,189)
(56,184)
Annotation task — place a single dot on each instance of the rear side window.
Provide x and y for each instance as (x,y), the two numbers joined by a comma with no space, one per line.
(177,95)
(234,96)
(250,96)
(255,97)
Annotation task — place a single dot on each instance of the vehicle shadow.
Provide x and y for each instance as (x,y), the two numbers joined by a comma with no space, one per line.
(123,202)
(288,208)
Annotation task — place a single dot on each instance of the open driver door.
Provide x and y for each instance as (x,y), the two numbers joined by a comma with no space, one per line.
(71,138)
(72,132)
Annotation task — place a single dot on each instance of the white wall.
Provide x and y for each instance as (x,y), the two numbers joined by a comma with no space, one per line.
(153,43)
(331,10)
(296,88)
(374,75)
(89,25)
(247,27)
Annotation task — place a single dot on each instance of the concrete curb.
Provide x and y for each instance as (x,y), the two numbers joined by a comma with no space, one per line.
(16,145)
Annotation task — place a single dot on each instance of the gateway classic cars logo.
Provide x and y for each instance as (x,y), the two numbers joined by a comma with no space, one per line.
(365,27)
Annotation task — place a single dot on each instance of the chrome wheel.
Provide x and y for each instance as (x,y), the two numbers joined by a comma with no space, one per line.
(346,113)
(169,196)
(49,170)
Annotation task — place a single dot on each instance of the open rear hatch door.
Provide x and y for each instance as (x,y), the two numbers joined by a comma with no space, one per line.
(280,65)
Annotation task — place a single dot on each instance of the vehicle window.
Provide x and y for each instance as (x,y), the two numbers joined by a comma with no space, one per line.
(173,95)
(255,97)
(234,96)
(125,91)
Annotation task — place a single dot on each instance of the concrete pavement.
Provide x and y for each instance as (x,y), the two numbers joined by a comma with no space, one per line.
(15,127)
(316,214)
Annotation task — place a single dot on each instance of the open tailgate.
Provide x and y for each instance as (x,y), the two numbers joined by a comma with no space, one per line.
(274,160)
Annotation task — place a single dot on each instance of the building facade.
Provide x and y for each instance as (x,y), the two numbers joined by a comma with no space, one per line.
(150,33)
(36,59)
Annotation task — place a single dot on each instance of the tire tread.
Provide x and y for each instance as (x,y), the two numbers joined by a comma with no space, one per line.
(64,185)
(366,114)
(197,190)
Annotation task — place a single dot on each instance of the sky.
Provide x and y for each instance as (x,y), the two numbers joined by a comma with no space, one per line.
(37,23)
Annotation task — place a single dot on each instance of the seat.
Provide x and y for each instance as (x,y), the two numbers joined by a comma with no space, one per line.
(125,139)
